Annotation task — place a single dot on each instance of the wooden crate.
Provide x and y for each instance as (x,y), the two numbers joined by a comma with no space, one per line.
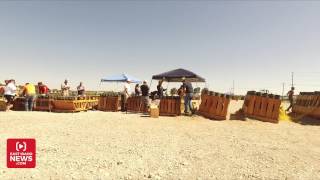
(264,107)
(154,112)
(43,104)
(69,105)
(109,103)
(91,104)
(3,105)
(307,104)
(19,104)
(135,104)
(170,106)
(214,106)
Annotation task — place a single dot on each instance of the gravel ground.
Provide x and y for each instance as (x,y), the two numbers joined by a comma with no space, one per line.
(103,145)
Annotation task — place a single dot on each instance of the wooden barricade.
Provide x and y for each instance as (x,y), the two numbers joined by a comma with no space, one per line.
(264,107)
(135,104)
(214,106)
(307,104)
(43,104)
(109,103)
(92,102)
(3,105)
(170,106)
(69,104)
(19,104)
(248,105)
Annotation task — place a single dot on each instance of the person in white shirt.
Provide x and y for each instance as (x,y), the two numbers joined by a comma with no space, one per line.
(10,92)
(126,94)
(65,88)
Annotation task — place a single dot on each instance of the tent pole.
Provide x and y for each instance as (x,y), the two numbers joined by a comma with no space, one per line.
(150,83)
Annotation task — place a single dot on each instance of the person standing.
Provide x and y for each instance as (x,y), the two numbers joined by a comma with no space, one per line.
(145,93)
(290,95)
(29,92)
(81,89)
(188,89)
(125,95)
(10,92)
(137,91)
(160,89)
(65,88)
(42,89)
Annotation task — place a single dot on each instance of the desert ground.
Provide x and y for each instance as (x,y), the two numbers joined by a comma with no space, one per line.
(115,145)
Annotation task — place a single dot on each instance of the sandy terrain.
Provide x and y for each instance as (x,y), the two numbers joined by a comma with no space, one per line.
(102,145)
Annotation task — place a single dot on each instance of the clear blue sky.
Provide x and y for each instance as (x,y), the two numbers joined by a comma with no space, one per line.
(256,44)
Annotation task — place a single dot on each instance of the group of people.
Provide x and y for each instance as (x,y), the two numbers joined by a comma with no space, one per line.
(65,89)
(10,92)
(29,91)
(185,90)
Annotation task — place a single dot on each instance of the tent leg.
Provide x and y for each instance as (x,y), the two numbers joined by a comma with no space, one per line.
(150,83)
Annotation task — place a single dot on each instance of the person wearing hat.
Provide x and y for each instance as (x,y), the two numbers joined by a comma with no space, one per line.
(145,93)
(188,89)
(65,88)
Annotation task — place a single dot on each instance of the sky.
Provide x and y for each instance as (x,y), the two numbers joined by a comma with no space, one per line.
(255,44)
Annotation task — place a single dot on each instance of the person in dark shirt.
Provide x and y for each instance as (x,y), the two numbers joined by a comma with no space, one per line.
(188,89)
(145,93)
(290,96)
(160,89)
(144,89)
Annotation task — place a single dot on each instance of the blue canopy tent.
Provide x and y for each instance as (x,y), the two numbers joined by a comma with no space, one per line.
(121,78)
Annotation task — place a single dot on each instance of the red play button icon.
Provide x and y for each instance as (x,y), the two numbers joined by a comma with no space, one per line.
(21,153)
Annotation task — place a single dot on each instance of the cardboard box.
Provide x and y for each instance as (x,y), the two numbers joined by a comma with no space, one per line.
(154,112)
